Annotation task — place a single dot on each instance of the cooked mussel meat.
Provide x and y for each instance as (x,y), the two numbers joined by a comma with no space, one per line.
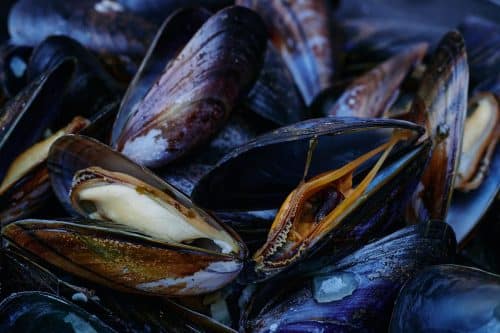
(134,233)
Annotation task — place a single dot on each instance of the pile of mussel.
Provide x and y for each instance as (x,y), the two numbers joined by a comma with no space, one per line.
(249,165)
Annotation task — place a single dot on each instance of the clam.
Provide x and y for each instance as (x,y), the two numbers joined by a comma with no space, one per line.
(134,233)
(192,98)
(355,294)
(91,88)
(43,312)
(448,298)
(339,204)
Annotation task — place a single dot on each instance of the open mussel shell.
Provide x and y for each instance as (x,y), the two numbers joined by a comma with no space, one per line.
(297,243)
(92,87)
(102,26)
(373,93)
(300,31)
(448,298)
(24,186)
(357,293)
(123,260)
(42,312)
(467,208)
(159,263)
(194,95)
(440,104)
(24,119)
(260,174)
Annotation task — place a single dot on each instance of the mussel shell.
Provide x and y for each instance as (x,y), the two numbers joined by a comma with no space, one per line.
(373,93)
(171,37)
(241,128)
(357,293)
(275,95)
(300,30)
(260,174)
(24,119)
(124,313)
(124,260)
(448,298)
(440,104)
(102,26)
(13,65)
(160,9)
(72,153)
(92,87)
(42,312)
(467,208)
(195,94)
(482,39)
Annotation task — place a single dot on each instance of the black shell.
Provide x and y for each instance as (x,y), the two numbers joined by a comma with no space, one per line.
(42,312)
(448,298)
(261,173)
(357,293)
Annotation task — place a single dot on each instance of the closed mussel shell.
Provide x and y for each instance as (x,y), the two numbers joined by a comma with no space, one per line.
(91,89)
(357,293)
(448,298)
(195,94)
(102,26)
(300,31)
(42,312)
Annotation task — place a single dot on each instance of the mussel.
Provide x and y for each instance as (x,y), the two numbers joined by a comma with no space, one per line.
(192,98)
(448,298)
(347,198)
(301,32)
(440,104)
(23,120)
(372,94)
(355,294)
(42,312)
(134,233)
(101,25)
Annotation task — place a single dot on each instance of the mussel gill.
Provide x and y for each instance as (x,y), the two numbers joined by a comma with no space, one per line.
(113,196)
(316,207)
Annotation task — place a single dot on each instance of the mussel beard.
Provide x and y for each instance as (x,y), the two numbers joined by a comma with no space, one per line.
(315,208)
(117,197)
